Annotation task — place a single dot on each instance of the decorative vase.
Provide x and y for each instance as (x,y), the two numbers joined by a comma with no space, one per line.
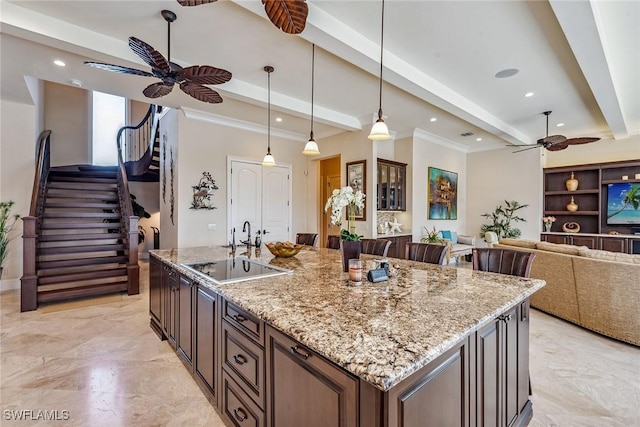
(349,249)
(547,227)
(572,207)
(572,183)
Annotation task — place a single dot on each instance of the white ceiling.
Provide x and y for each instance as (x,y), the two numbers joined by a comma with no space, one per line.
(580,58)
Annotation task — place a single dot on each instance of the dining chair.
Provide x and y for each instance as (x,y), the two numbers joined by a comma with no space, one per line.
(333,242)
(425,252)
(504,261)
(309,239)
(378,247)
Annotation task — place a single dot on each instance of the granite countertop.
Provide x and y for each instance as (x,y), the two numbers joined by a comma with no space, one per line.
(380,332)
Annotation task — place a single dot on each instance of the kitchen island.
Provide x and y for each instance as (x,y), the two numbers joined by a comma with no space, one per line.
(433,345)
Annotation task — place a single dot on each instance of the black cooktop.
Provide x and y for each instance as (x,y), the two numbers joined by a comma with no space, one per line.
(234,270)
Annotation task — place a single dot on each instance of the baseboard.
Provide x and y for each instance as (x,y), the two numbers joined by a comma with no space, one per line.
(9,284)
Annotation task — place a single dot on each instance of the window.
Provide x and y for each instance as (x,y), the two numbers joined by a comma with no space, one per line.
(109,112)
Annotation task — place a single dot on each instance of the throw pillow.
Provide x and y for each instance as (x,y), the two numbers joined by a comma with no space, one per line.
(521,243)
(558,248)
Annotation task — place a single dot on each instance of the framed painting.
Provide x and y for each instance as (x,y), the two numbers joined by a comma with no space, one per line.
(442,194)
(357,179)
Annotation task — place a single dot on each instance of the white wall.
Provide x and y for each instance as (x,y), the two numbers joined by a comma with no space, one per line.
(168,186)
(17,166)
(498,175)
(67,114)
(430,154)
(608,150)
(204,146)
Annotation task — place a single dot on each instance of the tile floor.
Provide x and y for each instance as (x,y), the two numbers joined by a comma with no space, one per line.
(99,361)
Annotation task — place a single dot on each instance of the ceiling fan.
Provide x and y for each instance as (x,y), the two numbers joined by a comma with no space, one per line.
(191,79)
(288,15)
(556,142)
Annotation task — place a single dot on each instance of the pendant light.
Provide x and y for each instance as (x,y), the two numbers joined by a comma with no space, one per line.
(379,130)
(268,159)
(311,148)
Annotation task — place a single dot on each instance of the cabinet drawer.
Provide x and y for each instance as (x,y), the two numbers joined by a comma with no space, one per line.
(237,407)
(249,324)
(243,360)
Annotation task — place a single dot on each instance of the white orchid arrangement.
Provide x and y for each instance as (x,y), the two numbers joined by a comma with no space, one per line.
(339,199)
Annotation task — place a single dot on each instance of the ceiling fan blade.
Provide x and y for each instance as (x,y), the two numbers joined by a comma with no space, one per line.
(554,139)
(201,93)
(574,141)
(194,2)
(118,69)
(288,15)
(557,147)
(156,90)
(204,75)
(149,55)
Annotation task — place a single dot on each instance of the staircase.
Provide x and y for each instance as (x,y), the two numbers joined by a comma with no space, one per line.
(81,244)
(140,146)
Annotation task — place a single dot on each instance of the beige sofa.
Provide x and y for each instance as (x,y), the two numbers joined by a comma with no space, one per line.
(595,289)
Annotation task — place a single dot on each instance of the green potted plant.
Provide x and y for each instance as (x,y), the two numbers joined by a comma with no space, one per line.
(502,218)
(432,237)
(7,222)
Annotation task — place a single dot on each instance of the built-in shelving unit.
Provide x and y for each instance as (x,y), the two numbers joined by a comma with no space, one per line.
(590,196)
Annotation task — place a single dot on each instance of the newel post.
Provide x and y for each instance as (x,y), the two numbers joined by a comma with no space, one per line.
(133,270)
(29,280)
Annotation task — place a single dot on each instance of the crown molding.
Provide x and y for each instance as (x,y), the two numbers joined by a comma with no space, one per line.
(430,137)
(217,119)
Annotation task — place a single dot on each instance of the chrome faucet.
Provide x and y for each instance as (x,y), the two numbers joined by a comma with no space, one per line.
(246,227)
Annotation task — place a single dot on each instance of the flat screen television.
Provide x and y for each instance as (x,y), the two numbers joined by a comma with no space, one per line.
(620,212)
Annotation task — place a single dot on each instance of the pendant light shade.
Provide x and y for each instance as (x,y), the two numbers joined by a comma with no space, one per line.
(311,148)
(379,130)
(268,158)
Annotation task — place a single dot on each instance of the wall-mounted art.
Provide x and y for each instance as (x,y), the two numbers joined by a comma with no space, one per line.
(357,179)
(203,191)
(442,194)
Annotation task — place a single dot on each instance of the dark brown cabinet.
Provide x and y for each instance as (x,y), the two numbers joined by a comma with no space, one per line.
(155,296)
(185,320)
(391,185)
(440,393)
(205,339)
(172,292)
(502,386)
(303,389)
(589,241)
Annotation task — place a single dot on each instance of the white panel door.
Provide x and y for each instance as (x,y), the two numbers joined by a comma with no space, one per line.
(246,198)
(262,196)
(276,201)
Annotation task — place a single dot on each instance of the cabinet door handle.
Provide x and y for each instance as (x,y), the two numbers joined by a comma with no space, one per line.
(505,318)
(239,318)
(294,350)
(240,359)
(240,414)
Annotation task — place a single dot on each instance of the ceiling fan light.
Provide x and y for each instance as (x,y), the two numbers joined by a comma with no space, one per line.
(268,160)
(379,131)
(311,148)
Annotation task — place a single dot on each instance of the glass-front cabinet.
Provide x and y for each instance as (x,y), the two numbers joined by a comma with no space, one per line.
(392,190)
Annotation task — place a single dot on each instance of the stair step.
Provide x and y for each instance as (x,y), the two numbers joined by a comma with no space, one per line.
(87,275)
(80,205)
(82,186)
(44,265)
(75,195)
(45,238)
(84,178)
(105,215)
(81,225)
(59,250)
(87,290)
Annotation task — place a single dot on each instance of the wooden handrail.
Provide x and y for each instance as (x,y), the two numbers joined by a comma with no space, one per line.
(137,157)
(31,224)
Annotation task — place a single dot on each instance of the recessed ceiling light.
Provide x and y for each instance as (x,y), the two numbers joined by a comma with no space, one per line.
(560,125)
(507,72)
(478,139)
(59,63)
(75,82)
(278,119)
(433,119)
(529,94)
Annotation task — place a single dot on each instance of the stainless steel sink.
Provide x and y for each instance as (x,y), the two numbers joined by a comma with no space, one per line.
(234,270)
